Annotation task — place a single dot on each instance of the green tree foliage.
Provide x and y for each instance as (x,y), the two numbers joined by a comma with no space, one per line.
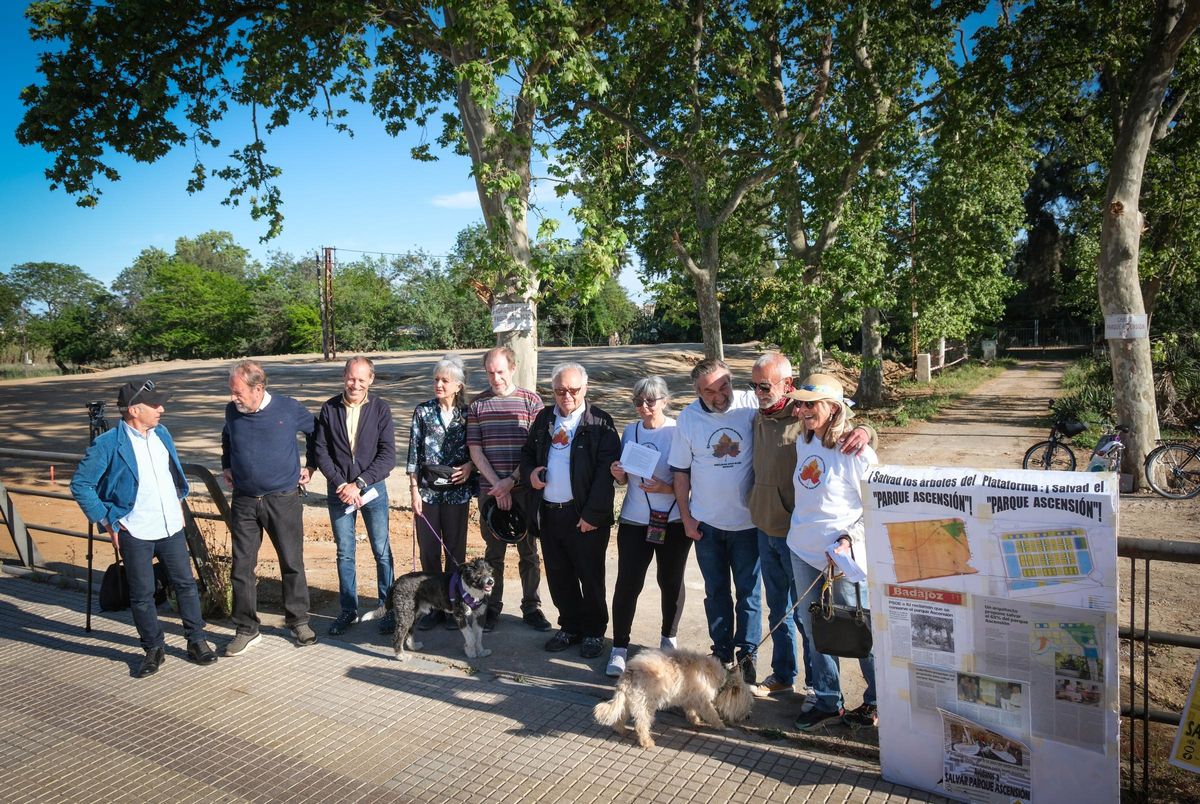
(84,333)
(189,312)
(48,287)
(142,79)
(568,320)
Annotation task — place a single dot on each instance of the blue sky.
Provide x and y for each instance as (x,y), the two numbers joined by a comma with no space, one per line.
(363,193)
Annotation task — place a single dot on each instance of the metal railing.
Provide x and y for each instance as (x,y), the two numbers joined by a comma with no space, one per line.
(1138,708)
(20,530)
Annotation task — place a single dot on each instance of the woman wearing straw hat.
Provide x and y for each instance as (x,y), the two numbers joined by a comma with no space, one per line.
(828,518)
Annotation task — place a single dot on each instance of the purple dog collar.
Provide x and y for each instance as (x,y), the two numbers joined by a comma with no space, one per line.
(458,592)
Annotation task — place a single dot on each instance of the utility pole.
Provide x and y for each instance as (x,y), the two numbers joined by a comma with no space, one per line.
(328,336)
(321,305)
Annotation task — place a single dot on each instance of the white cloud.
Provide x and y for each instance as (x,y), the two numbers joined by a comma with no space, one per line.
(467,199)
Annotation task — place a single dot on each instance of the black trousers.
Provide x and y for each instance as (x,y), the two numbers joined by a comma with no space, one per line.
(575,571)
(282,517)
(633,559)
(451,523)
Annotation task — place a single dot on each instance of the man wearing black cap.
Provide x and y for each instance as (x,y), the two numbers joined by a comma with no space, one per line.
(130,483)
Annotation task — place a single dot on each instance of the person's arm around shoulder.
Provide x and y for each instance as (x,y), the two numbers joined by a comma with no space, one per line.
(854,441)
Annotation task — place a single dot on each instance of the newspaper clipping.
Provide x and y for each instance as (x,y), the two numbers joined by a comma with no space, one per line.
(983,765)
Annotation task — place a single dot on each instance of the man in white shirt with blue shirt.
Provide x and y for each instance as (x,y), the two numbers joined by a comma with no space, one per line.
(131,483)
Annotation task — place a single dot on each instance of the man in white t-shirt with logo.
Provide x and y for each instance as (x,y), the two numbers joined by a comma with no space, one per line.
(712,459)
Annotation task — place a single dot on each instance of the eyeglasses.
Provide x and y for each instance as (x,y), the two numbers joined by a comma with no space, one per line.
(572,392)
(148,385)
(761,387)
(639,401)
(806,403)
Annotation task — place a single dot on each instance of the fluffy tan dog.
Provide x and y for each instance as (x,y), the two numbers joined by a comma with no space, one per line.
(696,683)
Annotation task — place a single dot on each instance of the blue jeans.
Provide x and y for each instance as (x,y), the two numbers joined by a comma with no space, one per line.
(172,551)
(375,517)
(776,561)
(826,679)
(723,554)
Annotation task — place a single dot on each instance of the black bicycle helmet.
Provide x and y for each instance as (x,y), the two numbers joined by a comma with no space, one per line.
(509,526)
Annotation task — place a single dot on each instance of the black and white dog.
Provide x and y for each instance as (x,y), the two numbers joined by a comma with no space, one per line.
(462,594)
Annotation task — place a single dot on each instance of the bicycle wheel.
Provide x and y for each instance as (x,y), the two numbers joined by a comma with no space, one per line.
(1049,455)
(1173,470)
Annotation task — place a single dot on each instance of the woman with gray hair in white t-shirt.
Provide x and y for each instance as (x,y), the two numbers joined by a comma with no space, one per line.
(649,526)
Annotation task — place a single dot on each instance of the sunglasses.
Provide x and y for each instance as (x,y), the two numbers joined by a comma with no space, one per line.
(807,403)
(639,401)
(148,385)
(761,387)
(571,392)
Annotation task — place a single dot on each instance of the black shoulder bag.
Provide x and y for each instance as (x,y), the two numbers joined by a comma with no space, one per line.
(839,630)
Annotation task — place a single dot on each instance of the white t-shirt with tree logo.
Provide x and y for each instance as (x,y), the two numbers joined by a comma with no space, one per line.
(718,448)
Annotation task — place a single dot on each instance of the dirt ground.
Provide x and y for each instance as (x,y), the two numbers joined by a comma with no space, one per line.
(991,428)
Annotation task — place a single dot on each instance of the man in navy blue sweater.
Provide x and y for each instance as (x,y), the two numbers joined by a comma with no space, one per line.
(261,463)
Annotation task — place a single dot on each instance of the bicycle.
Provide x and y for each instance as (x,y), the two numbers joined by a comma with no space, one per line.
(1173,469)
(1109,451)
(1053,453)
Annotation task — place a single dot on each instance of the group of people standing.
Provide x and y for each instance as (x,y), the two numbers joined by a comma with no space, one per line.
(764,482)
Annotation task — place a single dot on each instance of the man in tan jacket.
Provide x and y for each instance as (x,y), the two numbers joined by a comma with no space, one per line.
(776,428)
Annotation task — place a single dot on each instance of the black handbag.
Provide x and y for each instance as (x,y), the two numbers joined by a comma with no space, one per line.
(114,588)
(437,476)
(839,630)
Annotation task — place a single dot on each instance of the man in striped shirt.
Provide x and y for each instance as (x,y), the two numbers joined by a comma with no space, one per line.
(498,422)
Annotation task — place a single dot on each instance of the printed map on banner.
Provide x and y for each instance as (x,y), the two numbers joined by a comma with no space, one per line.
(1034,559)
(993,600)
(932,548)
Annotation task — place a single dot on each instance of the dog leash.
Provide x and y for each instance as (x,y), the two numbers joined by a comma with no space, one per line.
(749,655)
(437,536)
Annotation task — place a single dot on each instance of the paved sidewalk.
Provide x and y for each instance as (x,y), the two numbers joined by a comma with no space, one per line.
(343,721)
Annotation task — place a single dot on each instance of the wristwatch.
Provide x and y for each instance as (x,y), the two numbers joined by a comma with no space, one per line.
(358,481)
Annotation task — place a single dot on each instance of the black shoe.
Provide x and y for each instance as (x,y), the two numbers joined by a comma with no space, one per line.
(563,640)
(749,673)
(536,620)
(154,658)
(591,647)
(201,652)
(387,623)
(429,621)
(865,715)
(813,718)
(490,619)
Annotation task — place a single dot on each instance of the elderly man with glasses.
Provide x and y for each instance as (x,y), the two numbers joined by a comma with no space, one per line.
(566,457)
(131,483)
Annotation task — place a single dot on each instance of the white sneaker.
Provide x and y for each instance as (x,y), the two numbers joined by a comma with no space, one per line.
(377,614)
(810,700)
(668,643)
(616,662)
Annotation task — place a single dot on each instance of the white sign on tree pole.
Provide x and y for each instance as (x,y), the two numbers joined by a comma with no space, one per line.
(516,317)
(993,603)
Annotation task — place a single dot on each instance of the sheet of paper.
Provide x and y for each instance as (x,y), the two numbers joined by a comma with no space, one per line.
(364,499)
(853,572)
(639,459)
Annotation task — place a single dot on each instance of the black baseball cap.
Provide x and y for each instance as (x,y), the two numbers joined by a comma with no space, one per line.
(140,394)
